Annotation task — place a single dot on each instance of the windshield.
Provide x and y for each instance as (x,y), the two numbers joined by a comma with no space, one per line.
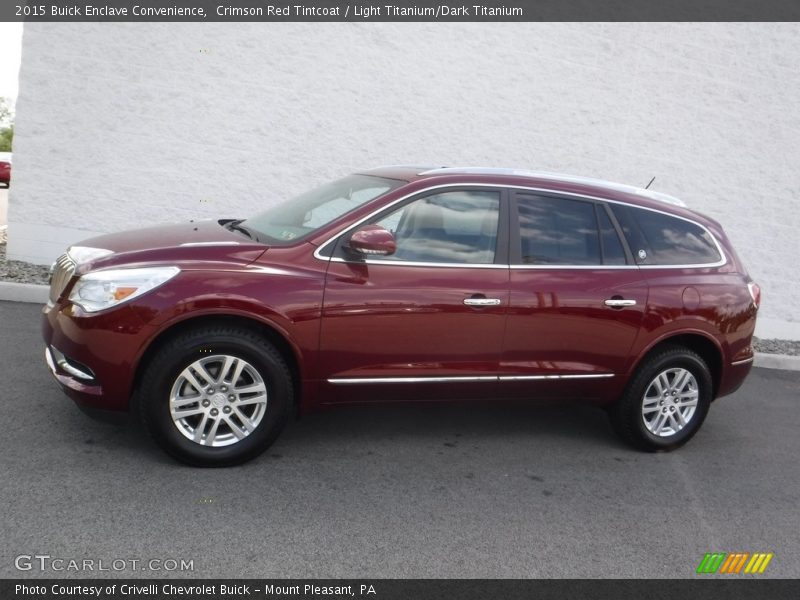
(308,212)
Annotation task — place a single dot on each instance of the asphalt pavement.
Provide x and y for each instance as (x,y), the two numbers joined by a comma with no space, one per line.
(398,491)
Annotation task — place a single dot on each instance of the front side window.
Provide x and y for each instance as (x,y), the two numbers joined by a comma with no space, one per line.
(451,227)
(558,231)
(297,218)
(659,239)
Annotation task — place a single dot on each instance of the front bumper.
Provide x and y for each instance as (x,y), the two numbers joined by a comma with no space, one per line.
(93,357)
(69,375)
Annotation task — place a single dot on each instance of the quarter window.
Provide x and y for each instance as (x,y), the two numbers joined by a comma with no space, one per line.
(451,227)
(659,239)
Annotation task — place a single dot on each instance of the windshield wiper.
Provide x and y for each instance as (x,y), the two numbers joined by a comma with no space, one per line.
(236,226)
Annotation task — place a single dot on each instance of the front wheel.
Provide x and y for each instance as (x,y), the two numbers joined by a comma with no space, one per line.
(666,402)
(216,396)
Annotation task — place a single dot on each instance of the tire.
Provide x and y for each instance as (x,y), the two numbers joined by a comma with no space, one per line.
(649,419)
(243,406)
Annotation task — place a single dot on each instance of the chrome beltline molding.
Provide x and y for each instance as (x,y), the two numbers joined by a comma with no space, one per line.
(464,379)
(317,253)
(743,361)
(541,377)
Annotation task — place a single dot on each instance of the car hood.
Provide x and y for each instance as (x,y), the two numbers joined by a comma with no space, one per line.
(191,244)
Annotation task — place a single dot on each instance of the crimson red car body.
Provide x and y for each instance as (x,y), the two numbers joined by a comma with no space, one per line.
(5,171)
(347,328)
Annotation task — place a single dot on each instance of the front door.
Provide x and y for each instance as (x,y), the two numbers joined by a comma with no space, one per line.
(427,322)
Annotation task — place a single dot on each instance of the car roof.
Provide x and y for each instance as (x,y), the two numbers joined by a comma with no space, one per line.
(540,179)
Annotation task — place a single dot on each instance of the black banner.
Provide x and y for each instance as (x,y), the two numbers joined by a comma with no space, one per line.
(398,10)
(398,589)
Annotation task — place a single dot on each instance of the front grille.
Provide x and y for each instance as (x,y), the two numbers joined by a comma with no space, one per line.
(63,270)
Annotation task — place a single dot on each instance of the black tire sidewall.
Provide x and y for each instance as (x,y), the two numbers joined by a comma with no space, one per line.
(165,370)
(670,360)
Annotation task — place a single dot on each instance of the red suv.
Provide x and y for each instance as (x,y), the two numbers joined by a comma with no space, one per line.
(405,283)
(5,168)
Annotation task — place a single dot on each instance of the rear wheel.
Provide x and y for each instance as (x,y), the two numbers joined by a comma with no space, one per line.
(666,402)
(216,396)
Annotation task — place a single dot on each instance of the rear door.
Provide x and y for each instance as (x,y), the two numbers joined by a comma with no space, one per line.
(577,298)
(427,322)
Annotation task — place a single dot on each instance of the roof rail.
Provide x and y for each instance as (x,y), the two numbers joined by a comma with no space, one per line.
(620,187)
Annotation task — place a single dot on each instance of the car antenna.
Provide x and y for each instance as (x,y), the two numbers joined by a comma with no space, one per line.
(647,187)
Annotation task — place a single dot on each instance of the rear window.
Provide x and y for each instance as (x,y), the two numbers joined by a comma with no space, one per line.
(558,231)
(554,230)
(659,239)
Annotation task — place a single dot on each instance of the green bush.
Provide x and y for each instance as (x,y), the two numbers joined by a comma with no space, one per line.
(6,136)
(6,124)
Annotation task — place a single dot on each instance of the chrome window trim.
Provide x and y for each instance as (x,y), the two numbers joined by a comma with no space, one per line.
(575,267)
(561,178)
(411,263)
(462,379)
(317,253)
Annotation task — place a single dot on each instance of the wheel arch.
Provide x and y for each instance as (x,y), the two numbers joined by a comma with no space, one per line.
(705,346)
(270,332)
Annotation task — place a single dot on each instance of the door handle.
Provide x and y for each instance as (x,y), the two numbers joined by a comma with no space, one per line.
(482,301)
(619,302)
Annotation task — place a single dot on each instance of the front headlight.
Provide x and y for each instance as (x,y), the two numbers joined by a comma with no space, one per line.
(103,289)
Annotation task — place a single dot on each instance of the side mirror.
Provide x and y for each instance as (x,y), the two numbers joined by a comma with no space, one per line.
(372,240)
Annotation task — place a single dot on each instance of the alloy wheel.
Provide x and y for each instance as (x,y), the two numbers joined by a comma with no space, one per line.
(670,402)
(218,400)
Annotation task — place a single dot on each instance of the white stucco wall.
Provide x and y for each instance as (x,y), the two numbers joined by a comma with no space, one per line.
(121,125)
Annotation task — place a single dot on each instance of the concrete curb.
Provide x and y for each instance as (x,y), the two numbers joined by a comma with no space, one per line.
(777,361)
(38,294)
(24,292)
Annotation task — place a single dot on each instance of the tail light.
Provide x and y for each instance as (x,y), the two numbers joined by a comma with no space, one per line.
(755,293)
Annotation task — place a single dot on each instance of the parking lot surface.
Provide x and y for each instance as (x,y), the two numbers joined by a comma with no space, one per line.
(399,491)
